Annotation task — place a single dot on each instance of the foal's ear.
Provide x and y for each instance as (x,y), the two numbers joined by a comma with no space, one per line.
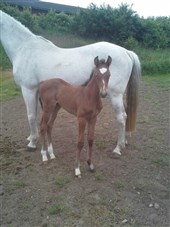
(96,61)
(109,60)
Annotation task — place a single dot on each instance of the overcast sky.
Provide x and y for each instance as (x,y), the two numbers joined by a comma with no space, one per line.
(144,8)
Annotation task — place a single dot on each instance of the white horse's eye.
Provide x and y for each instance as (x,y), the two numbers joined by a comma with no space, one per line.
(103,70)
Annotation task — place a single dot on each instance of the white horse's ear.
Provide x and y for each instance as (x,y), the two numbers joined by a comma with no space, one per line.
(109,60)
(96,61)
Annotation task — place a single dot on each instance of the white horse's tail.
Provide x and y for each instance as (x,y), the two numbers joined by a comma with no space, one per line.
(132,93)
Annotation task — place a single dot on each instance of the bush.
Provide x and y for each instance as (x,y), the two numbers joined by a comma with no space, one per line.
(4,60)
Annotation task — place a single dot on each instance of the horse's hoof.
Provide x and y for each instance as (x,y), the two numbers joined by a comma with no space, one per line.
(44,159)
(91,167)
(77,173)
(31,145)
(116,151)
(52,156)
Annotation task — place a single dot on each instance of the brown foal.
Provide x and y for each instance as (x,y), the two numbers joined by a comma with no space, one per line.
(82,101)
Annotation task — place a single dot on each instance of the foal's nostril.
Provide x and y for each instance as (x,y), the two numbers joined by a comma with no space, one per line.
(103,94)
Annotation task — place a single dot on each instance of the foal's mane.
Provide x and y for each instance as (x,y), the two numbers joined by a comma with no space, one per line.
(102,61)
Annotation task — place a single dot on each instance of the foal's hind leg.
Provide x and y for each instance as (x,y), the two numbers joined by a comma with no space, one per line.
(118,106)
(49,130)
(43,131)
(90,138)
(80,144)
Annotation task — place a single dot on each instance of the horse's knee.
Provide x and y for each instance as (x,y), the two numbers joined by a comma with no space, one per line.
(32,119)
(121,119)
(43,129)
(80,145)
(90,142)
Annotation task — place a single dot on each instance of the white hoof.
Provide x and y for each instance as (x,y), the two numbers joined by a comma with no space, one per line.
(91,166)
(31,145)
(44,159)
(117,151)
(52,156)
(29,138)
(77,172)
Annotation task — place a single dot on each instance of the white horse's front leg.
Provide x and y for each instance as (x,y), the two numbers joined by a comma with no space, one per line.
(31,98)
(118,106)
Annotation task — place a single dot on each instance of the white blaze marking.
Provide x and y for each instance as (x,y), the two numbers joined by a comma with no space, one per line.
(104,85)
(103,70)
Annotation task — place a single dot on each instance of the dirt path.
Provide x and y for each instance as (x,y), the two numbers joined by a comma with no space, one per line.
(132,190)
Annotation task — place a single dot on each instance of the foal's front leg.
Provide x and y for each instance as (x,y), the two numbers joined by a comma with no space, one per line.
(90,138)
(80,144)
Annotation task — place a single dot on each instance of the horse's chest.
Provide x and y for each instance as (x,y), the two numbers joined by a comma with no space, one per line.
(91,110)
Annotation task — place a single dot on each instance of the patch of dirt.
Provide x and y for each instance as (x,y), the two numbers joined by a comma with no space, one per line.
(132,190)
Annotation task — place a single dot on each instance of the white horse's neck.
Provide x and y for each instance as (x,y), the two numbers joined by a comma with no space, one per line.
(13,35)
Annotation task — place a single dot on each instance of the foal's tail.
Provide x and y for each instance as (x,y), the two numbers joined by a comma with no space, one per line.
(132,93)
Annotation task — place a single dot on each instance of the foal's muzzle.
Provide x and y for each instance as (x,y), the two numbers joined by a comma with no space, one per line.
(103,94)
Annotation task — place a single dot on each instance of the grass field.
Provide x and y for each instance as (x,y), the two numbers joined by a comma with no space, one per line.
(8,88)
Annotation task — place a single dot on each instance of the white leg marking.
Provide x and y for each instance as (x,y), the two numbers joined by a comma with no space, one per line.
(117,150)
(50,151)
(91,167)
(77,172)
(44,155)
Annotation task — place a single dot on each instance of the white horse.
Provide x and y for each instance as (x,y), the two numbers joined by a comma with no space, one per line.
(36,59)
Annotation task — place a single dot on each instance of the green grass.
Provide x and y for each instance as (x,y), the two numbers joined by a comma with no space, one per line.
(56,209)
(154,62)
(98,177)
(8,88)
(145,156)
(100,144)
(61,181)
(162,81)
(161,160)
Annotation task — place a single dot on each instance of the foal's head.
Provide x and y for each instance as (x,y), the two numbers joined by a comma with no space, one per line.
(102,74)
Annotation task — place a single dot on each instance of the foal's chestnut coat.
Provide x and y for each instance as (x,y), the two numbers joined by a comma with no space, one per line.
(82,101)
